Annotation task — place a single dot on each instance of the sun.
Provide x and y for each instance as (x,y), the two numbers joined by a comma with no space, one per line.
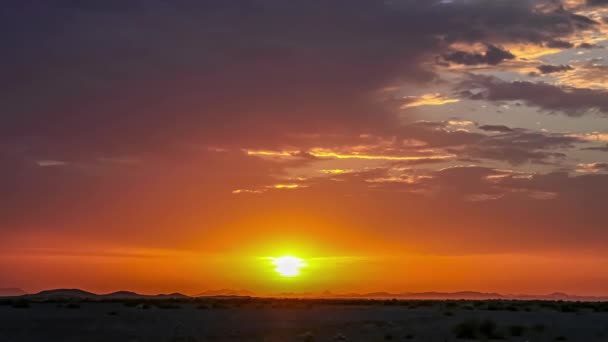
(288,266)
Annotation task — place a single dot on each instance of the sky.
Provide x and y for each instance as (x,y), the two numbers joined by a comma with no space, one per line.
(397,145)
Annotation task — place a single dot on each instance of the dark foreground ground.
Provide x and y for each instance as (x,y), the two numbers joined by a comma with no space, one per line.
(302,320)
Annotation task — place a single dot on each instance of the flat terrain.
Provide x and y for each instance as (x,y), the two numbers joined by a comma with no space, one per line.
(290,320)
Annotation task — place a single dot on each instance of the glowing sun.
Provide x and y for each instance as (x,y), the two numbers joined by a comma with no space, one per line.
(288,266)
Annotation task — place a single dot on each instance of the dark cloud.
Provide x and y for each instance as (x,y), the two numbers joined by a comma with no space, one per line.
(559,44)
(495,128)
(494,55)
(589,46)
(511,145)
(568,100)
(549,69)
(597,148)
(206,71)
(597,2)
(521,146)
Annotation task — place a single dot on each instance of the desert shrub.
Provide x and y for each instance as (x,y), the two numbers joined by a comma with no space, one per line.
(113,313)
(448,313)
(469,307)
(162,305)
(466,329)
(451,305)
(561,338)
(489,329)
(73,306)
(388,336)
(516,330)
(391,302)
(21,304)
(568,308)
(473,329)
(539,327)
(494,306)
(409,336)
(130,303)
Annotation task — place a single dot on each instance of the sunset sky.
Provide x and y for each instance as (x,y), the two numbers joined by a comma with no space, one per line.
(397,145)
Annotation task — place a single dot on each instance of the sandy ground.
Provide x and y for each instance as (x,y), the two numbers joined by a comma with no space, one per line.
(117,322)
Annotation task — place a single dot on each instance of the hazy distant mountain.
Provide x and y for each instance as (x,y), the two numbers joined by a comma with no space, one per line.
(63,294)
(11,292)
(226,293)
(76,294)
(80,294)
(134,295)
(466,295)
(420,295)
(121,295)
(560,296)
(175,295)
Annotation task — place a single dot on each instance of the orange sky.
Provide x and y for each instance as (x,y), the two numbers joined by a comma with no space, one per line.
(395,146)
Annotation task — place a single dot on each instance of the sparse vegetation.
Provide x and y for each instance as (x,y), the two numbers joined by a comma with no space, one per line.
(474,329)
(516,330)
(165,305)
(463,320)
(21,304)
(539,327)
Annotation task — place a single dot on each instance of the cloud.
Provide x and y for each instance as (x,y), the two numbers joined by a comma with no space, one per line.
(589,46)
(593,75)
(597,2)
(559,44)
(598,148)
(514,146)
(493,55)
(495,128)
(548,97)
(427,100)
(205,72)
(592,168)
(46,163)
(549,69)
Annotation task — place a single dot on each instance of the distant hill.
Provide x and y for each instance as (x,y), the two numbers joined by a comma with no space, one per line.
(175,295)
(11,292)
(560,296)
(63,294)
(226,293)
(465,295)
(470,295)
(121,295)
(67,294)
(77,294)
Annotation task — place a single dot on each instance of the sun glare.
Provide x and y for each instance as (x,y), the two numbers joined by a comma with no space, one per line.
(288,266)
